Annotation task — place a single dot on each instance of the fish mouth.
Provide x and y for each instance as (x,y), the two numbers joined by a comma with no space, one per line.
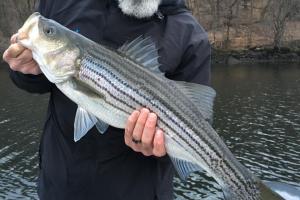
(23,33)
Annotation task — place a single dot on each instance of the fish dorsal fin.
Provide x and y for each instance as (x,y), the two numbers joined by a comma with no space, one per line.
(84,121)
(101,126)
(143,51)
(203,97)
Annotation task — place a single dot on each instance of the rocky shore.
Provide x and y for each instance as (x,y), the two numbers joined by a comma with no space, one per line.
(253,55)
(256,55)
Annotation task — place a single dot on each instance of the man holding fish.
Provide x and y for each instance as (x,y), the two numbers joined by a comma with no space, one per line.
(101,166)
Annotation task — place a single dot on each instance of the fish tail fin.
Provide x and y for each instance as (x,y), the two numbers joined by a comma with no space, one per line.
(267,193)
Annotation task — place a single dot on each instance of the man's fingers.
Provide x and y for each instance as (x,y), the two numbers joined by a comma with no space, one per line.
(130,126)
(25,56)
(139,126)
(13,51)
(36,70)
(159,149)
(20,59)
(30,68)
(13,38)
(141,134)
(149,130)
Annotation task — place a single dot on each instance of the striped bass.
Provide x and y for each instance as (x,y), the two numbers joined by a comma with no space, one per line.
(108,85)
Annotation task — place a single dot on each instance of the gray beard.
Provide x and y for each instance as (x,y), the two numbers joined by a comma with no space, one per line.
(139,8)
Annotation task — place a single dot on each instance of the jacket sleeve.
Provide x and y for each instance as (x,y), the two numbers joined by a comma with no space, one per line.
(32,83)
(195,65)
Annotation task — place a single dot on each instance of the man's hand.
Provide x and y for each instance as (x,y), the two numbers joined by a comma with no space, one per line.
(20,59)
(142,135)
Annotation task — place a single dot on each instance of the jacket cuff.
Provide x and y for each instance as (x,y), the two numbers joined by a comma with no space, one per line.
(165,158)
(31,83)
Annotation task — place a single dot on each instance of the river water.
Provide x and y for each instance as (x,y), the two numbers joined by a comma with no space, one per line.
(257,113)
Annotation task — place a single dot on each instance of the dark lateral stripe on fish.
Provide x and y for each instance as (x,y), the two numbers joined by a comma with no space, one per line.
(96,73)
(181,128)
(104,60)
(107,61)
(85,75)
(130,73)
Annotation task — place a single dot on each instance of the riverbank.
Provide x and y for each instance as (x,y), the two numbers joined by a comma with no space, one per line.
(256,55)
(253,55)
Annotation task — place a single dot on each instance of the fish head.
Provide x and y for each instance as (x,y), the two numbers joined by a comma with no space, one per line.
(52,47)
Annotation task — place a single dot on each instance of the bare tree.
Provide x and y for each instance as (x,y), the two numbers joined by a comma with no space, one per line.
(214,11)
(229,14)
(278,13)
(251,21)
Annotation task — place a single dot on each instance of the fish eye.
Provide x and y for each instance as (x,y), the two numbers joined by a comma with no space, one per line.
(49,30)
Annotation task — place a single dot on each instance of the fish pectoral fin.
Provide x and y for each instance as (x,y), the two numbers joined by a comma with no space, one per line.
(184,168)
(143,51)
(101,126)
(201,95)
(84,121)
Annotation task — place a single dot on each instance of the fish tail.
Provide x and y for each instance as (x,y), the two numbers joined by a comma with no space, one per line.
(267,193)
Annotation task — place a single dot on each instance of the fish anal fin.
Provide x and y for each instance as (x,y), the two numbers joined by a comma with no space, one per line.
(183,161)
(184,168)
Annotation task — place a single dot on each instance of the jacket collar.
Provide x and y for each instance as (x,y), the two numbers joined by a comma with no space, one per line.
(145,8)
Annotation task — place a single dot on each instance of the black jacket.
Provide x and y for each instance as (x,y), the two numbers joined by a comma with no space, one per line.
(102,166)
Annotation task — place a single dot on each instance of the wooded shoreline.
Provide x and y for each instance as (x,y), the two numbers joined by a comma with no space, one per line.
(255,55)
(239,30)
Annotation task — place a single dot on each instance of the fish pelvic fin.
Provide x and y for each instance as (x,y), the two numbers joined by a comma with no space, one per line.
(101,126)
(84,121)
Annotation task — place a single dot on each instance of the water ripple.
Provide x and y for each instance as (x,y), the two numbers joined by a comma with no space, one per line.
(257,115)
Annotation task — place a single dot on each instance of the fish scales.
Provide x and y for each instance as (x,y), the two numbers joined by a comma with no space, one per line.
(189,138)
(133,98)
(131,74)
(94,74)
(147,99)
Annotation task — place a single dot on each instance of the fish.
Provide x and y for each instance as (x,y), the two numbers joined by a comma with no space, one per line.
(109,84)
